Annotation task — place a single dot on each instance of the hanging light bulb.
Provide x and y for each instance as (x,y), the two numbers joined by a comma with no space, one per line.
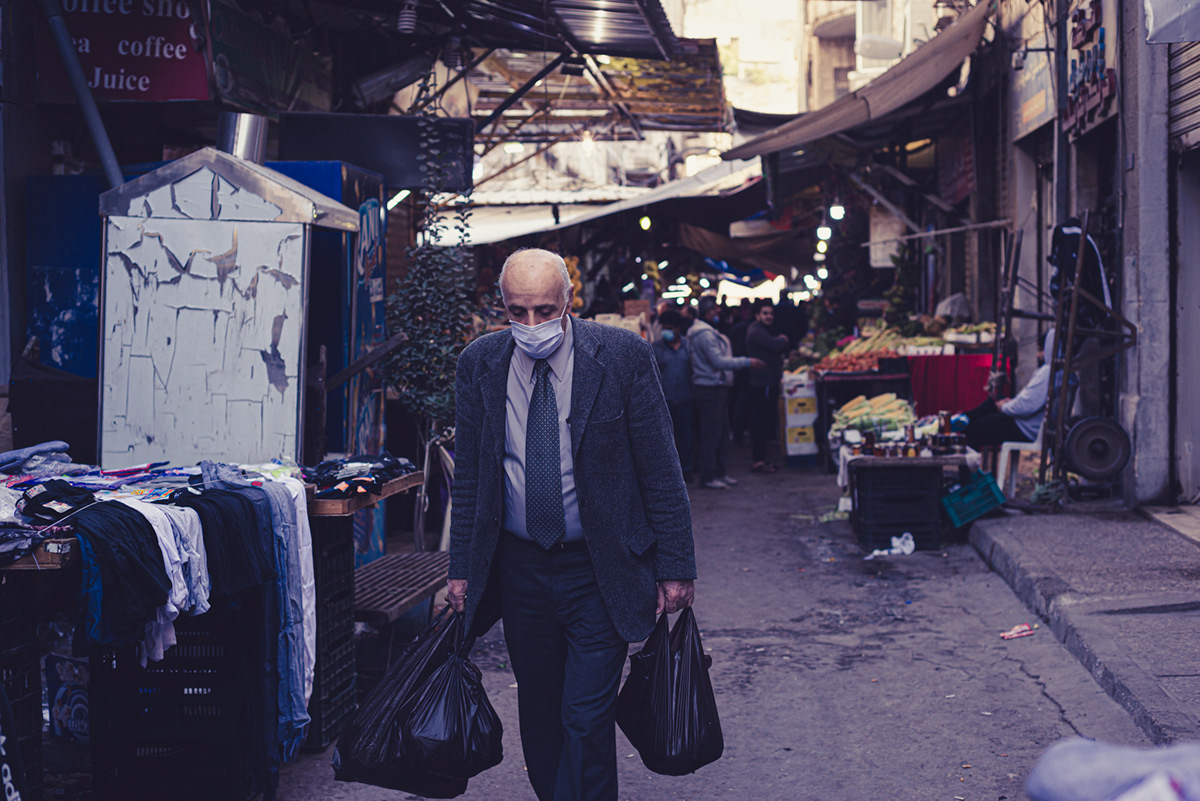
(452,55)
(822,273)
(644,222)
(837,211)
(824,232)
(818,257)
(822,246)
(406,21)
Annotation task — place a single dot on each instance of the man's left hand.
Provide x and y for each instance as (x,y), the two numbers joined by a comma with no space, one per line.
(675,596)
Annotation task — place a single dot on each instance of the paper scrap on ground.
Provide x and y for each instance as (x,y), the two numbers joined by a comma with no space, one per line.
(904,545)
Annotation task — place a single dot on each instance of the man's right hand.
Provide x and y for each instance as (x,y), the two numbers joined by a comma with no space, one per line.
(456,594)
(758,364)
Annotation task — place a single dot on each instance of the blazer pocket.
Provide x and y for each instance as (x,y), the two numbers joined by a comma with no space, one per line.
(620,416)
(641,540)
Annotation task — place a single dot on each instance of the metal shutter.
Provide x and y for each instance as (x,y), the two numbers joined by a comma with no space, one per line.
(1185,94)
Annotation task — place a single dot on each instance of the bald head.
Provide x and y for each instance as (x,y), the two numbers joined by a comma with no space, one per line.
(536,286)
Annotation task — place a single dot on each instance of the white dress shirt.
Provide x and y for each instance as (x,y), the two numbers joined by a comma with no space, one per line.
(521,381)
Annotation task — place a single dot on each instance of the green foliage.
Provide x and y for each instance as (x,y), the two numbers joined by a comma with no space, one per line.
(903,293)
(434,302)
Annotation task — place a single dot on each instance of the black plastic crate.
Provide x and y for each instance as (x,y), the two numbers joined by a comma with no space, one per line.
(18,621)
(334,562)
(872,536)
(329,718)
(334,684)
(21,675)
(149,771)
(189,722)
(892,499)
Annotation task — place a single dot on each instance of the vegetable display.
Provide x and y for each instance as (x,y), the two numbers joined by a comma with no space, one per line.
(884,411)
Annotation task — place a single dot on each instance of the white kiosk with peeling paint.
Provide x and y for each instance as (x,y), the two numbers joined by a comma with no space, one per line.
(204,295)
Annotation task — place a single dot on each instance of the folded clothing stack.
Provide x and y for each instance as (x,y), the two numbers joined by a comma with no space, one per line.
(356,475)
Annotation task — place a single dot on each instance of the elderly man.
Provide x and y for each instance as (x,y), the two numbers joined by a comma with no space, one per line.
(571,518)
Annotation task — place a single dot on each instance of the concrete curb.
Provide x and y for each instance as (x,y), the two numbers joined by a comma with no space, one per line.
(1160,716)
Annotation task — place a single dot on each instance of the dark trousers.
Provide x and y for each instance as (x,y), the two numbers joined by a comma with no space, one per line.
(681,419)
(990,427)
(740,410)
(567,658)
(712,407)
(764,408)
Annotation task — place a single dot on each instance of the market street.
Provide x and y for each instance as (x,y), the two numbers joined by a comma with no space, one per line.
(837,678)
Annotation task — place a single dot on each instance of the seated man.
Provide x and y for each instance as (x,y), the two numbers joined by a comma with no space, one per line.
(1016,419)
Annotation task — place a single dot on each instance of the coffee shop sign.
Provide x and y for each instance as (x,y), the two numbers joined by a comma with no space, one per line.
(129,50)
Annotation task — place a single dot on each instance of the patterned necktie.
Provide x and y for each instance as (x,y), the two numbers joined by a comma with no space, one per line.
(544,519)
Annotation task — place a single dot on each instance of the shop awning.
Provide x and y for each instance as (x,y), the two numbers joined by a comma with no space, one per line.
(1171,21)
(498,223)
(923,70)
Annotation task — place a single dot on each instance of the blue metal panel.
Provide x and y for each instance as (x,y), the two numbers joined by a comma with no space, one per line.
(328,288)
(62,235)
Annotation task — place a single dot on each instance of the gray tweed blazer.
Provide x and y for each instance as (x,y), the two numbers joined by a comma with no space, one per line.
(633,502)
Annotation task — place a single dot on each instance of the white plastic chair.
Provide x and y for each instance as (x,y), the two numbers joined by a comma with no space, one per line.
(1007,451)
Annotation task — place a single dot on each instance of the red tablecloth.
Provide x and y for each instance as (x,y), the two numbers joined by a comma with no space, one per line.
(949,383)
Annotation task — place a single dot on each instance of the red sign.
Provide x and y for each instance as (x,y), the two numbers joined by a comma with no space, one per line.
(129,50)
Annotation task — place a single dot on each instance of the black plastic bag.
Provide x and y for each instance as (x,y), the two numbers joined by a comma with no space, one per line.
(667,708)
(428,727)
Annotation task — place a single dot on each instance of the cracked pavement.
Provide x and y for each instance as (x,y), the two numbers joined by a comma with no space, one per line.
(836,677)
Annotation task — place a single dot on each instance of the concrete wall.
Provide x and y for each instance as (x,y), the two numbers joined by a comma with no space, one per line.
(1144,392)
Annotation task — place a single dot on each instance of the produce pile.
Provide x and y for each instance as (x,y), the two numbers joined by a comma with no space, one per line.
(977,328)
(885,411)
(863,353)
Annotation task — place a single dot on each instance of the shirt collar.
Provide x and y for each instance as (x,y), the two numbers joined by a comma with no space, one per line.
(559,360)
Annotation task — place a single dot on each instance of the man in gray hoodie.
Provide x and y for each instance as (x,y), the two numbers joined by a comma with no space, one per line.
(712,376)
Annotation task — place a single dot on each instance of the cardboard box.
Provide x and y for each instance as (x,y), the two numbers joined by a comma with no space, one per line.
(801,405)
(51,554)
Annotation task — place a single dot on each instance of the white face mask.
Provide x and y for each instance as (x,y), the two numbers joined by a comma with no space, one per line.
(540,340)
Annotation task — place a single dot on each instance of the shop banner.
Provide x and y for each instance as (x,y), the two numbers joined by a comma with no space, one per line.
(129,49)
(1031,95)
(260,69)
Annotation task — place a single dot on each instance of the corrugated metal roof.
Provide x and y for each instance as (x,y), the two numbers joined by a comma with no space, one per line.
(533,197)
(498,223)
(616,98)
(928,66)
(629,28)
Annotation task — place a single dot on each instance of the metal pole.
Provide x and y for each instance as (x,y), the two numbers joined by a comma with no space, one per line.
(87,103)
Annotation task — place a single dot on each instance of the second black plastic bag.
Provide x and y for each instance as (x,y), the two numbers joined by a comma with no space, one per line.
(667,708)
(428,727)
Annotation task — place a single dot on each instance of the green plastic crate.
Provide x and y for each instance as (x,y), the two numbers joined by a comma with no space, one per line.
(972,501)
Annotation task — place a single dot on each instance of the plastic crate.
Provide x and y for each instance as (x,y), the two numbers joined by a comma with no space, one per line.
(191,722)
(334,563)
(974,500)
(890,500)
(901,494)
(21,676)
(335,677)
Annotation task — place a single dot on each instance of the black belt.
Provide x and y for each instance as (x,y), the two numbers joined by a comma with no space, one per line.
(562,546)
